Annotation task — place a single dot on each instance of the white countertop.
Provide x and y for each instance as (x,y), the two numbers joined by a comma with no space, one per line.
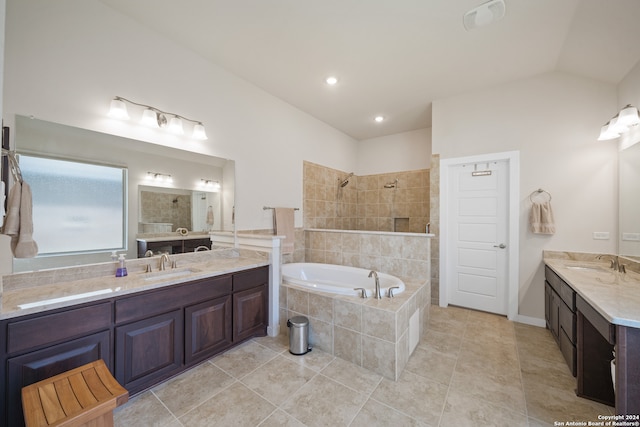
(614,295)
(23,300)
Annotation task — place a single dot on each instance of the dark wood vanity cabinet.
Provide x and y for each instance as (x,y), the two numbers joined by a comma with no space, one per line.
(143,338)
(560,316)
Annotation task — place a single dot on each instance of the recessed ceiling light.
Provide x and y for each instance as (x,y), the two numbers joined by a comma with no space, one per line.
(331,80)
(379,119)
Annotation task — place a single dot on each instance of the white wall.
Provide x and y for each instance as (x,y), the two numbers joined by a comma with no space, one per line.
(400,152)
(629,93)
(65,61)
(553,120)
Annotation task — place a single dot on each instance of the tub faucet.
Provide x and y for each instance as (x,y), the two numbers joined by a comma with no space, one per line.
(163,258)
(376,295)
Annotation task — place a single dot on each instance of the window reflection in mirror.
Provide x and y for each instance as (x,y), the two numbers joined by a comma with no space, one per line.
(77,207)
(189,171)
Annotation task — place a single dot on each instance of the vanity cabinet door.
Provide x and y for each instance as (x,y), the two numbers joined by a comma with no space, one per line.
(207,329)
(149,350)
(250,313)
(38,365)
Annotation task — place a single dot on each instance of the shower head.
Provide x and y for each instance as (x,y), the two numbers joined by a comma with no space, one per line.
(345,181)
(393,184)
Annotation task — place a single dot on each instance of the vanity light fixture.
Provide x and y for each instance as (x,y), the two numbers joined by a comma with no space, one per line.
(153,117)
(484,14)
(621,123)
(159,177)
(210,184)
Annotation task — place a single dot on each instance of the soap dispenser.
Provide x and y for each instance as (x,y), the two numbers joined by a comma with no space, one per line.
(122,268)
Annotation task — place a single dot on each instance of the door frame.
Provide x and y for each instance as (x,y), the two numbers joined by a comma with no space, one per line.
(513,214)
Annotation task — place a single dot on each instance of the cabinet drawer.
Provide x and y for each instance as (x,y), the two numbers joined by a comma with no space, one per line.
(568,295)
(568,322)
(160,301)
(250,279)
(51,328)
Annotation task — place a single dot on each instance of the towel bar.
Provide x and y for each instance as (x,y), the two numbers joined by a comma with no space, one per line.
(264,208)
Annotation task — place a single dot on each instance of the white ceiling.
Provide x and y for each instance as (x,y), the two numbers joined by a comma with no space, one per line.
(394,57)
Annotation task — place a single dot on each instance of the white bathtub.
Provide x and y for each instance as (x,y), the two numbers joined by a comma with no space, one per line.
(338,279)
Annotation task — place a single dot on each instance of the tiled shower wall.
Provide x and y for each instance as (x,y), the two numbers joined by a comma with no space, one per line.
(166,208)
(364,203)
(435,228)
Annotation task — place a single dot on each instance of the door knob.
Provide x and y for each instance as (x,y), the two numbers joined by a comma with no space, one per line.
(501,246)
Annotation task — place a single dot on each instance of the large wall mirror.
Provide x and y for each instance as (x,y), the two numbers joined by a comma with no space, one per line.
(166,189)
(629,228)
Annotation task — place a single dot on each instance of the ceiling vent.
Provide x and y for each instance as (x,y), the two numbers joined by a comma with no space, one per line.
(484,14)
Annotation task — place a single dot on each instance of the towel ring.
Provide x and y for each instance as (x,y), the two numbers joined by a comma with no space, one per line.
(539,191)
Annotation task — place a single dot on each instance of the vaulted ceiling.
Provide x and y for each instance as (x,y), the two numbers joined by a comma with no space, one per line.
(393,57)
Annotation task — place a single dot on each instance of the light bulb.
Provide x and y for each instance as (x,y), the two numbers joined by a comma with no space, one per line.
(199,133)
(331,80)
(118,109)
(175,126)
(149,118)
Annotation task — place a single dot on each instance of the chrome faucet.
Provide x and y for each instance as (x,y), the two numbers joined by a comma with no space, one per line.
(163,258)
(376,295)
(614,261)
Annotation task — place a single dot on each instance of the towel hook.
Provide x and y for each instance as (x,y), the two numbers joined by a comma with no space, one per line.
(539,191)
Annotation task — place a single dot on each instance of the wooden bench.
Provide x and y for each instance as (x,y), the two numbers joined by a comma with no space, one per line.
(85,396)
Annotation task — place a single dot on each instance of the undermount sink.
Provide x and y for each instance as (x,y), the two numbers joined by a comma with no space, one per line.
(168,274)
(587,268)
(65,298)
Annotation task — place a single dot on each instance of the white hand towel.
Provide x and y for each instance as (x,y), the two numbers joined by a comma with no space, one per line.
(283,224)
(210,216)
(26,247)
(12,221)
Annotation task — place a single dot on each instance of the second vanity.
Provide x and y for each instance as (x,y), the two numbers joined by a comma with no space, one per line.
(147,327)
(593,312)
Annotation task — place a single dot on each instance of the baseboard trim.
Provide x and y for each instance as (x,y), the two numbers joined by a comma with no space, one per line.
(533,321)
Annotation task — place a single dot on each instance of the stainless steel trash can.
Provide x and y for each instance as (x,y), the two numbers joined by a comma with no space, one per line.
(298,335)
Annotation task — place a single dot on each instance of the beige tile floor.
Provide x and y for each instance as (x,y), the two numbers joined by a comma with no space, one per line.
(470,369)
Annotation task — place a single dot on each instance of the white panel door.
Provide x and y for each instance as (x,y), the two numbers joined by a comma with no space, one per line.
(478,230)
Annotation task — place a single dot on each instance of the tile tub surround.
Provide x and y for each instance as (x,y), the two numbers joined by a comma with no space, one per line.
(398,254)
(370,333)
